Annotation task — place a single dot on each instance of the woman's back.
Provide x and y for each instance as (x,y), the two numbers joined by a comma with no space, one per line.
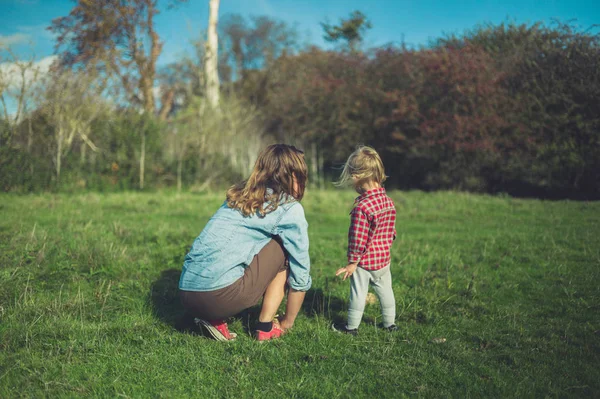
(229,242)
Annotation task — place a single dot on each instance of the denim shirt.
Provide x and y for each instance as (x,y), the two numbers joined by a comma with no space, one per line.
(230,241)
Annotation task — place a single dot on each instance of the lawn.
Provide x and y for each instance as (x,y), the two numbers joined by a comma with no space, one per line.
(496,297)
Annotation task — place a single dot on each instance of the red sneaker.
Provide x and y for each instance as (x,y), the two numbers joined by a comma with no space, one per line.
(276,332)
(217,329)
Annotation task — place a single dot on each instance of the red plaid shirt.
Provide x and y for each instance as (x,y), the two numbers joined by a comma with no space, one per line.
(372,230)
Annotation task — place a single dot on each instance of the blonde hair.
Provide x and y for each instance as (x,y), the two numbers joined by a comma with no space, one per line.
(364,164)
(277,167)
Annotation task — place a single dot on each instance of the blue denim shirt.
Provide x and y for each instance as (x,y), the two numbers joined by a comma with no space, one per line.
(230,241)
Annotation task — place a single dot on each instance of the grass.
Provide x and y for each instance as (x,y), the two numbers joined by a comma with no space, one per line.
(89,306)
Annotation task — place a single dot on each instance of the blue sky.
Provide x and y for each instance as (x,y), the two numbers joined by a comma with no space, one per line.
(22,22)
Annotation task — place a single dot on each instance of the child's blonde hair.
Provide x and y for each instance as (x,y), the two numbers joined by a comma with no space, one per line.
(365,165)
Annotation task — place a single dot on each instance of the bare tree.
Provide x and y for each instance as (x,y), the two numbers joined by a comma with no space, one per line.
(71,101)
(233,137)
(17,78)
(211,58)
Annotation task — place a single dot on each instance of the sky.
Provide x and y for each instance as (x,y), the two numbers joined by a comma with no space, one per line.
(23,22)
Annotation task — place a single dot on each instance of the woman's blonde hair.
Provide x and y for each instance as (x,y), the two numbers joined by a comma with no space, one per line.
(365,165)
(276,168)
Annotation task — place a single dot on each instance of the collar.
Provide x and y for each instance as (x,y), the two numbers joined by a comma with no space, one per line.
(370,193)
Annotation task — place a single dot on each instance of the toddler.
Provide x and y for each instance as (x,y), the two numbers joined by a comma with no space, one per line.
(372,232)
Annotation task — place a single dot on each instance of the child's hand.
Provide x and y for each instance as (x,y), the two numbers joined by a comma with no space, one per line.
(349,270)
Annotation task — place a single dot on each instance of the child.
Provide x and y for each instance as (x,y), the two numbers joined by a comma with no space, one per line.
(254,246)
(372,231)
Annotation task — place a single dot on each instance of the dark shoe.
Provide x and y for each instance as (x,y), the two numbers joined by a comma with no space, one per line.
(217,329)
(342,328)
(391,328)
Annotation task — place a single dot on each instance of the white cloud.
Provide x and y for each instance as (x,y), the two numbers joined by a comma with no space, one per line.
(157,92)
(27,34)
(11,40)
(10,72)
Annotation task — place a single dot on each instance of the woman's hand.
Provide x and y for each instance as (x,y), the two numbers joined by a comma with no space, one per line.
(285,323)
(348,270)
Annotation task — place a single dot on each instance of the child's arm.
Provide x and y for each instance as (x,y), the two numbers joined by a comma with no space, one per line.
(358,235)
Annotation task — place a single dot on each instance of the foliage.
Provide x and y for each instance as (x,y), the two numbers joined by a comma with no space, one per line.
(116,37)
(215,145)
(255,43)
(553,75)
(455,115)
(502,108)
(352,30)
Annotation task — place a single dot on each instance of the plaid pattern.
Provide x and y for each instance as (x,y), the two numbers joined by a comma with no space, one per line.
(372,230)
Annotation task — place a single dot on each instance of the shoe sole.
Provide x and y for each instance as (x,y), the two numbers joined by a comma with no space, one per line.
(348,332)
(268,339)
(216,334)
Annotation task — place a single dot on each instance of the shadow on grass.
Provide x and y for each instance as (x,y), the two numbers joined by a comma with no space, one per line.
(164,298)
(316,303)
(166,305)
(320,303)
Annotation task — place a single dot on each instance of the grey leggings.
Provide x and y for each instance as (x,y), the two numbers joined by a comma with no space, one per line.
(381,281)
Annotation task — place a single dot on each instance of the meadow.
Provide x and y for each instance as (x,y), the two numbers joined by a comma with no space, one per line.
(496,297)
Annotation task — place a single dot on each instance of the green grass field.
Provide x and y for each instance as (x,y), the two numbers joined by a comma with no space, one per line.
(89,306)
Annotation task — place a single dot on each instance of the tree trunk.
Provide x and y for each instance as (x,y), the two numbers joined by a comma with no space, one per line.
(30,143)
(147,92)
(314,170)
(211,62)
(59,142)
(82,153)
(148,69)
(179,170)
(29,134)
(321,170)
(142,160)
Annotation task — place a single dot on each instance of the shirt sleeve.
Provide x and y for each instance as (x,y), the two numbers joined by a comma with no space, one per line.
(293,230)
(358,235)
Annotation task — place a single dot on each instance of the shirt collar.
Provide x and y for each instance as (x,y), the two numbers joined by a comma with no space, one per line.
(370,193)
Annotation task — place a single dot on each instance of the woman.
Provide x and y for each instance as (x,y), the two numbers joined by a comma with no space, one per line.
(253,246)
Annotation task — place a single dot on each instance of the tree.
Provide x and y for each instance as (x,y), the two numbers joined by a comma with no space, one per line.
(117,37)
(251,46)
(351,30)
(17,78)
(317,100)
(70,102)
(211,58)
(553,75)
